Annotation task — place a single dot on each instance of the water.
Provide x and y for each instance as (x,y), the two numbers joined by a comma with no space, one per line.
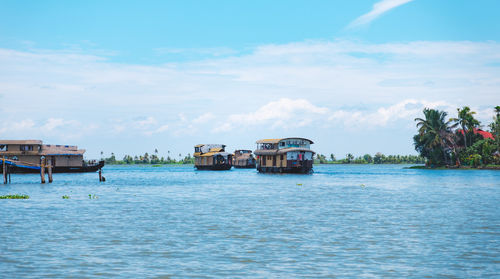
(172,221)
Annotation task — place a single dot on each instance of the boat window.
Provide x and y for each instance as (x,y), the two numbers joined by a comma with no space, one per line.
(196,149)
(26,147)
(3,147)
(282,143)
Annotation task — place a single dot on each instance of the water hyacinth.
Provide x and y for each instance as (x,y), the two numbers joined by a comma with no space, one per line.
(14,197)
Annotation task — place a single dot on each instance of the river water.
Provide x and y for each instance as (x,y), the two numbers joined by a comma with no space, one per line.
(343,221)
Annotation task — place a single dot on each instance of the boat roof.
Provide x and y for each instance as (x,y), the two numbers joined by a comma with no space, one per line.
(278,140)
(35,142)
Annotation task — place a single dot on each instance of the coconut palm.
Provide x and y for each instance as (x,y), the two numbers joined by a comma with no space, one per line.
(495,126)
(466,121)
(435,137)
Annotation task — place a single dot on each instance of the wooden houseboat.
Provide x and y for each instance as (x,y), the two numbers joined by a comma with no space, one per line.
(212,157)
(63,158)
(244,159)
(287,155)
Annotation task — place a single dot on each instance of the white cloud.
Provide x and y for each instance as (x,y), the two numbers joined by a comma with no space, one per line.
(144,123)
(204,118)
(406,110)
(158,130)
(378,9)
(282,113)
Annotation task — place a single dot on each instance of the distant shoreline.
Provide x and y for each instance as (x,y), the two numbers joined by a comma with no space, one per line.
(489,167)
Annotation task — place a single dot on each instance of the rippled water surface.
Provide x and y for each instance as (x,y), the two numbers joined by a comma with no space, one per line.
(172,221)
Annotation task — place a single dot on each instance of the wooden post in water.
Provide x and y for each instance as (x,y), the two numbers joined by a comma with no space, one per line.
(42,170)
(100,175)
(4,168)
(9,174)
(49,168)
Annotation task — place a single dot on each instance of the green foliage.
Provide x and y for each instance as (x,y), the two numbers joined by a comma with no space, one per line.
(467,122)
(435,138)
(378,158)
(441,145)
(473,160)
(65,197)
(481,152)
(147,159)
(320,159)
(14,197)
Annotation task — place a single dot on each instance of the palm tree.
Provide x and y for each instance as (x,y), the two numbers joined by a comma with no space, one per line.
(434,135)
(349,157)
(495,126)
(467,121)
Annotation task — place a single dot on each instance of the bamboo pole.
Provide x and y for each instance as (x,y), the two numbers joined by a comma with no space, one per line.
(49,168)
(42,170)
(4,168)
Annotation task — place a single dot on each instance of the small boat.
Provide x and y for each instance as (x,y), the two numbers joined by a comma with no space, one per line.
(286,155)
(24,154)
(244,159)
(212,157)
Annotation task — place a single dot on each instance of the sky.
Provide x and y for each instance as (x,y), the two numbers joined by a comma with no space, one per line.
(130,77)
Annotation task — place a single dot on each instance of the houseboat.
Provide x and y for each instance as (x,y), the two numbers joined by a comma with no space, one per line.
(212,157)
(244,159)
(287,155)
(63,158)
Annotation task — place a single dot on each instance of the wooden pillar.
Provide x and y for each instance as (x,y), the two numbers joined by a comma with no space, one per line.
(49,168)
(42,170)
(9,174)
(4,168)
(100,175)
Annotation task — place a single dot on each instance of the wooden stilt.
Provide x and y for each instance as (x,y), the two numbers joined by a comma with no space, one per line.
(4,168)
(42,170)
(9,174)
(49,168)
(100,175)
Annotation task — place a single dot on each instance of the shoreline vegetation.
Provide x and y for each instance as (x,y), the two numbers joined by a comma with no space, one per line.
(457,143)
(378,158)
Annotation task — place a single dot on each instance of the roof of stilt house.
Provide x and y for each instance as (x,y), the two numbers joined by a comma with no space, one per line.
(484,134)
(35,142)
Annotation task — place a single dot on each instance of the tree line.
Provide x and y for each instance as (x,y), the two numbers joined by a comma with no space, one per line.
(378,158)
(149,159)
(457,141)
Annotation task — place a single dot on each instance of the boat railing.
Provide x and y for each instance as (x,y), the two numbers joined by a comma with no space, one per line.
(90,163)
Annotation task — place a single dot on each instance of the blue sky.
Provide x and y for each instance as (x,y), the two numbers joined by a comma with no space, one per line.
(132,76)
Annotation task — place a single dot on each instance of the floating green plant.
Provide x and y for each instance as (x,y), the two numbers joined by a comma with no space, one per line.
(93,196)
(14,197)
(65,197)
(299,184)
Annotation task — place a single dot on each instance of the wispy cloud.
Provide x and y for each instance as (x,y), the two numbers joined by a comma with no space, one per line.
(378,9)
